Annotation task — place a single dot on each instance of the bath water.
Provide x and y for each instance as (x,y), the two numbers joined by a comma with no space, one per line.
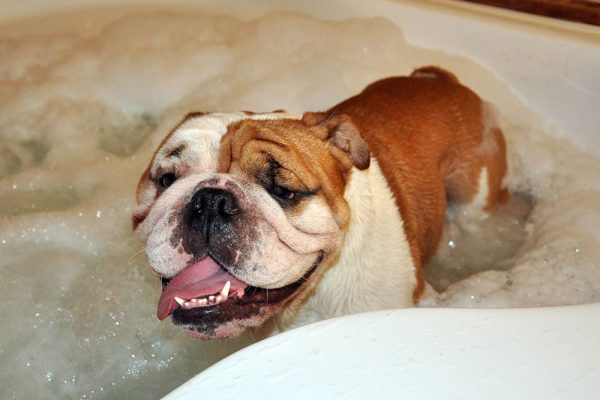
(80,115)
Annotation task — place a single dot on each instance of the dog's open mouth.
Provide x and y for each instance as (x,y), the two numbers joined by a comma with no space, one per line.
(205,289)
(202,284)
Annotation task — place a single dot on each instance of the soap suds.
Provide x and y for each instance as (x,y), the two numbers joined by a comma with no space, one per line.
(79,120)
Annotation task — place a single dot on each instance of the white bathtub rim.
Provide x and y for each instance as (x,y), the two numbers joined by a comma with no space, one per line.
(430,342)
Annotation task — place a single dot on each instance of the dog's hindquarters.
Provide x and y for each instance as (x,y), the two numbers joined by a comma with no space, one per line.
(474,182)
(473,179)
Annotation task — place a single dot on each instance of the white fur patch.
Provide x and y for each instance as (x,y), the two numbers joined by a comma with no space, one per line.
(480,200)
(475,208)
(488,144)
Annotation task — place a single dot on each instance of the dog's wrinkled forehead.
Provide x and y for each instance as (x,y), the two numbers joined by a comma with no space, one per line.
(194,143)
(193,147)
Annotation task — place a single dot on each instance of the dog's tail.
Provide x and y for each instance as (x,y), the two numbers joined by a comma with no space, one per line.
(431,71)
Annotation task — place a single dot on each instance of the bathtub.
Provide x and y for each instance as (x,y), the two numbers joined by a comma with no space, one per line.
(530,353)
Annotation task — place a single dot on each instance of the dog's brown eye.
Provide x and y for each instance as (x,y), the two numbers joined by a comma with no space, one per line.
(167,180)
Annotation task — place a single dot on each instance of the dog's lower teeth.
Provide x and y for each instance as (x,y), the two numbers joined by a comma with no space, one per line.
(202,301)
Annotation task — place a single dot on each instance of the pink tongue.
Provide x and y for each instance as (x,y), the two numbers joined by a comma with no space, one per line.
(200,279)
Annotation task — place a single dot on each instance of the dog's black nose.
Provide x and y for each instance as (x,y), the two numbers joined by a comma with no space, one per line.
(210,205)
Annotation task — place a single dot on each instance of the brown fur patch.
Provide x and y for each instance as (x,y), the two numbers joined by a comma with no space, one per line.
(307,162)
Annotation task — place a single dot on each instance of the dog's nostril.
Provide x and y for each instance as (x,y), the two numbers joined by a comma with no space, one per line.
(227,206)
(216,202)
(199,204)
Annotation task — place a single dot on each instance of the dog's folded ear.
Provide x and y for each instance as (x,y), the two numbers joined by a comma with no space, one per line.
(341,132)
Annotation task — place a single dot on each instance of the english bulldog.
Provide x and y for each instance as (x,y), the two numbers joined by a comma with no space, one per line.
(249,217)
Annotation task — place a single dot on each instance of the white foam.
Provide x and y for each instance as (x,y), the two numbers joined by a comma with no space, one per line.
(79,119)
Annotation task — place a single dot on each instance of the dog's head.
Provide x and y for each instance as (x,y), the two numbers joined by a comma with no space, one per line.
(241,212)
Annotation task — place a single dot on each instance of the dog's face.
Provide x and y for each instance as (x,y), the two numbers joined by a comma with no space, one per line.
(241,213)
